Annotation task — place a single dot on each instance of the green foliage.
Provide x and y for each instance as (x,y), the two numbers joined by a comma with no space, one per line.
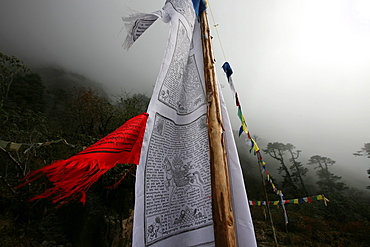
(87,113)
(341,222)
(27,93)
(365,151)
(342,209)
(23,126)
(30,115)
(328,182)
(129,106)
(293,184)
(10,67)
(22,102)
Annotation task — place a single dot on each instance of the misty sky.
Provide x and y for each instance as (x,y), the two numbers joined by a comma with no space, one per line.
(301,68)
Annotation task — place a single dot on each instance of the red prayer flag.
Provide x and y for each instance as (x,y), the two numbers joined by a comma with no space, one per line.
(74,176)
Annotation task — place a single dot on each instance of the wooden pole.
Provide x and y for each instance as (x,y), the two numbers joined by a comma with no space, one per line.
(223,217)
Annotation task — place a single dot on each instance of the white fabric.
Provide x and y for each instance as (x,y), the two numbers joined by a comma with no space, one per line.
(173,184)
(136,24)
(243,221)
(232,87)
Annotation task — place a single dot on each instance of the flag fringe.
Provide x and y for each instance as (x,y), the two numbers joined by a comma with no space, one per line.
(71,179)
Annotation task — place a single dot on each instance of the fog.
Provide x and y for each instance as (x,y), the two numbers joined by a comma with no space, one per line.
(301,68)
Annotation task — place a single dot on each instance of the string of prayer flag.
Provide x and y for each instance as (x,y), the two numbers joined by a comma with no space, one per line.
(248,139)
(254,146)
(244,130)
(291,201)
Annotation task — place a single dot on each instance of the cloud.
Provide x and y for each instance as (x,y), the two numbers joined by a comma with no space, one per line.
(301,68)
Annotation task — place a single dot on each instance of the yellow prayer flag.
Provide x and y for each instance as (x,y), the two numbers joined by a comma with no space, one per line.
(245,129)
(14,146)
(256,148)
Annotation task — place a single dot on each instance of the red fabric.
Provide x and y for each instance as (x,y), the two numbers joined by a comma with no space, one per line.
(73,177)
(237,100)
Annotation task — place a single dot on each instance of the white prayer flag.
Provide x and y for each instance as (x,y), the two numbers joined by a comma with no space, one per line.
(173,205)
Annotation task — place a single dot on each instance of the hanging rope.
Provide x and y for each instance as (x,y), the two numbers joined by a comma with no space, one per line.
(218,36)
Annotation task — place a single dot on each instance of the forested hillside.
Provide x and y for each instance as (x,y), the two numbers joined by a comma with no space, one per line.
(50,114)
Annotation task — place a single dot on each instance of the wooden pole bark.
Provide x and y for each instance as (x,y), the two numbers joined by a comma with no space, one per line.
(223,217)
